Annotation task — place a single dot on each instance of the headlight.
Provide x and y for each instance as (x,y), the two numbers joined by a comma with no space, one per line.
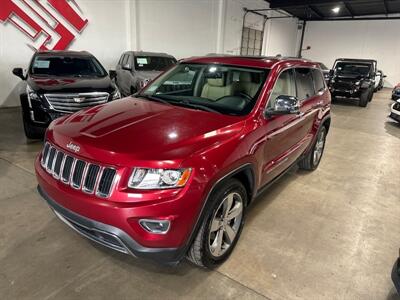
(357,83)
(151,179)
(143,83)
(31,95)
(116,95)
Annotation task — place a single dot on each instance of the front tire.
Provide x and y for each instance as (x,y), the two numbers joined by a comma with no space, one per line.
(221,227)
(311,161)
(364,98)
(32,132)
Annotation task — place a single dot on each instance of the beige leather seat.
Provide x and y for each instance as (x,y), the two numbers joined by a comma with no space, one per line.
(245,84)
(215,88)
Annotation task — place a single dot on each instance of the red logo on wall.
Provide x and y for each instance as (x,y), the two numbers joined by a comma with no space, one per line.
(51,24)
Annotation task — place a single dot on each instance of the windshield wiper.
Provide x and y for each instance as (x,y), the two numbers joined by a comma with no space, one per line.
(196,106)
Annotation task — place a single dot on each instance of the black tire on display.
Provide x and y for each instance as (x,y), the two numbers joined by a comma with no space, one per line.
(312,159)
(32,132)
(364,98)
(221,226)
(370,97)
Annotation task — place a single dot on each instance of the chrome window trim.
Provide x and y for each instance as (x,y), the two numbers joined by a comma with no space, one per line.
(300,101)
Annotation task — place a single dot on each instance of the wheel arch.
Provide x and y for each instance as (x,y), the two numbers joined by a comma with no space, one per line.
(245,174)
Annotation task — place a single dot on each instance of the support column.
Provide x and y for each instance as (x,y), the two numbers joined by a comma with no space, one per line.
(221,26)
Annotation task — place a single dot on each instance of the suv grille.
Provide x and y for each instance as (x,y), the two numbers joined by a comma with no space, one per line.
(70,103)
(79,174)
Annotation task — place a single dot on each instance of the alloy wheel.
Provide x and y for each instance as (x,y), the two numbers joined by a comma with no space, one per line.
(225,224)
(319,147)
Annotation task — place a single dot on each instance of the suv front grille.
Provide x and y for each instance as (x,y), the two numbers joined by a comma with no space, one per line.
(79,174)
(70,103)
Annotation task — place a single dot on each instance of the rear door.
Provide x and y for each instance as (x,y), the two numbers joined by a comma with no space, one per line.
(311,90)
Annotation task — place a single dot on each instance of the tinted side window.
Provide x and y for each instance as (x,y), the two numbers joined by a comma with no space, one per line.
(284,85)
(120,59)
(125,59)
(304,83)
(319,82)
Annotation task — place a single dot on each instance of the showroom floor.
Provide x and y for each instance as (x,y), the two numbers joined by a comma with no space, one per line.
(330,234)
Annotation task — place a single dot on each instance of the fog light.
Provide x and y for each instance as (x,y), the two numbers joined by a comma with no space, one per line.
(155,226)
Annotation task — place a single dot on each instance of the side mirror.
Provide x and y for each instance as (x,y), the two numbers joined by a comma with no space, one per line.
(384,76)
(127,67)
(19,73)
(331,72)
(284,105)
(113,74)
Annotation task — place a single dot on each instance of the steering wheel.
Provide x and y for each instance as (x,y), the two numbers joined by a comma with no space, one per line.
(247,97)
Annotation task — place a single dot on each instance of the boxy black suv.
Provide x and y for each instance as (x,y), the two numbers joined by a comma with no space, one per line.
(59,83)
(353,78)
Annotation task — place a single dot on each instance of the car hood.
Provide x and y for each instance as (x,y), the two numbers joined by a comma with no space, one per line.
(70,84)
(131,130)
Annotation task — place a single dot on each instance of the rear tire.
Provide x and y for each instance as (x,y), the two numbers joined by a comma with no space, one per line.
(311,161)
(221,226)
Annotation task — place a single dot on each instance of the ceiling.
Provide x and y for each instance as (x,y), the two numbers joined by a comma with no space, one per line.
(322,9)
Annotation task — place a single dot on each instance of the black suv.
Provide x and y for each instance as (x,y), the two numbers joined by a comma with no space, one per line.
(353,78)
(59,83)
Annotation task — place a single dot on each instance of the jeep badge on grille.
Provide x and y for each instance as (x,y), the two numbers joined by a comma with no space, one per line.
(73,147)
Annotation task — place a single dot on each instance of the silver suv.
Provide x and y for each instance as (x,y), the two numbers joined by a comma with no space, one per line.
(136,69)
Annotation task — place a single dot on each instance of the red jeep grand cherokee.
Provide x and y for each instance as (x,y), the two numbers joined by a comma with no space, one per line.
(169,172)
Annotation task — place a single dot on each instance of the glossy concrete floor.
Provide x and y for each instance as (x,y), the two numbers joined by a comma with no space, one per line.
(330,234)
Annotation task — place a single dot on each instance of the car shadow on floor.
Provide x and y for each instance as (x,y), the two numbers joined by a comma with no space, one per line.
(393,295)
(392,128)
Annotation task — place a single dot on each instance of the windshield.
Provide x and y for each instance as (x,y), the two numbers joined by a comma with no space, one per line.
(352,68)
(153,63)
(223,89)
(43,65)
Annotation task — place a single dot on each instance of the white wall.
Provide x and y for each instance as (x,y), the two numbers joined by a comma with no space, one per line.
(281,37)
(182,28)
(356,39)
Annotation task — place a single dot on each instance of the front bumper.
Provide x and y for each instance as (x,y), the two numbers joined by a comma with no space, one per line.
(110,236)
(356,93)
(396,275)
(395,112)
(118,216)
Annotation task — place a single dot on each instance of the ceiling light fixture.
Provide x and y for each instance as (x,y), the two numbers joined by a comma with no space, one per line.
(336,9)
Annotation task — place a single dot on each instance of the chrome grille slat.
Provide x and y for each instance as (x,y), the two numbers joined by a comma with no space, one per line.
(91,178)
(45,152)
(66,103)
(57,164)
(66,174)
(77,173)
(106,182)
(49,161)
